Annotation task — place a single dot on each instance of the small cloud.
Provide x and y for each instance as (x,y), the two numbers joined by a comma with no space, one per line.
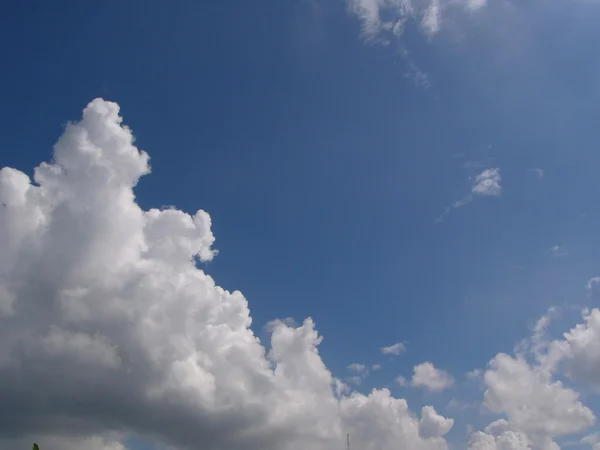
(474,375)
(474,5)
(357,368)
(356,380)
(428,377)
(376,367)
(430,22)
(459,405)
(488,183)
(593,287)
(395,349)
(539,173)
(559,251)
(401,380)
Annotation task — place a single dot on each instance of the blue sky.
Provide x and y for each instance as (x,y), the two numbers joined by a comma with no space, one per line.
(324,161)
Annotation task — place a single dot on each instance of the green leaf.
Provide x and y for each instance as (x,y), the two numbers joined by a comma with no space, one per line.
(35,447)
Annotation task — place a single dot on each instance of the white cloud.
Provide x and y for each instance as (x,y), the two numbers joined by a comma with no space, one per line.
(395,349)
(538,172)
(509,440)
(558,251)
(533,402)
(388,17)
(376,367)
(108,325)
(358,368)
(401,381)
(427,376)
(580,350)
(488,183)
(431,19)
(474,375)
(593,287)
(475,5)
(432,424)
(538,407)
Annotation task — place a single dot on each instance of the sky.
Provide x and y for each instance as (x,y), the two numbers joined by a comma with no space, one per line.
(270,225)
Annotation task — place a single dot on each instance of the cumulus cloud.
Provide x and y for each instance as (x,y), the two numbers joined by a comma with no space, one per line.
(580,350)
(432,424)
(395,349)
(108,326)
(533,402)
(427,376)
(527,390)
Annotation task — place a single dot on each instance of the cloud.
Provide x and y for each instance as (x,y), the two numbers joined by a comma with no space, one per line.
(580,350)
(376,367)
(401,381)
(358,368)
(593,287)
(474,375)
(487,183)
(109,441)
(533,402)
(427,376)
(527,390)
(509,440)
(558,251)
(431,20)
(538,172)
(385,19)
(108,326)
(432,424)
(395,349)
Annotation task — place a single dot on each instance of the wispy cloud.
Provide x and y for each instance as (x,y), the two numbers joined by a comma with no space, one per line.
(558,251)
(539,173)
(487,183)
(386,18)
(357,368)
(395,349)
(384,22)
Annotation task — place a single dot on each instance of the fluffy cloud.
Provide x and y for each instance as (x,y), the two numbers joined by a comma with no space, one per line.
(432,424)
(108,326)
(427,376)
(488,183)
(580,350)
(532,401)
(395,349)
(508,440)
(526,390)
